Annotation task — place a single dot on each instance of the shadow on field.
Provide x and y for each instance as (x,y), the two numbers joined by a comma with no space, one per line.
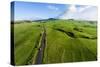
(72,35)
(77,29)
(87,37)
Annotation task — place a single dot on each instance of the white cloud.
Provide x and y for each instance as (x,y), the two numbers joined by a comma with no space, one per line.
(82,12)
(83,8)
(72,8)
(69,13)
(52,7)
(90,14)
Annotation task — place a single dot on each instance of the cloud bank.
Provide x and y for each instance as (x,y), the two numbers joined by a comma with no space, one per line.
(80,13)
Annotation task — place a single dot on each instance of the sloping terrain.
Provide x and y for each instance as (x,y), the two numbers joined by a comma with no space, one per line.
(64,40)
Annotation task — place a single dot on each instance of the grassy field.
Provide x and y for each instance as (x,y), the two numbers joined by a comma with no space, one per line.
(62,47)
(66,41)
(26,41)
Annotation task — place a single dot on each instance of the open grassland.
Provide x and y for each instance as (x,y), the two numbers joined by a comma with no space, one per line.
(26,41)
(70,42)
(66,41)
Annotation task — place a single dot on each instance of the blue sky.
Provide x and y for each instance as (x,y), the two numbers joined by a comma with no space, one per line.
(35,11)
